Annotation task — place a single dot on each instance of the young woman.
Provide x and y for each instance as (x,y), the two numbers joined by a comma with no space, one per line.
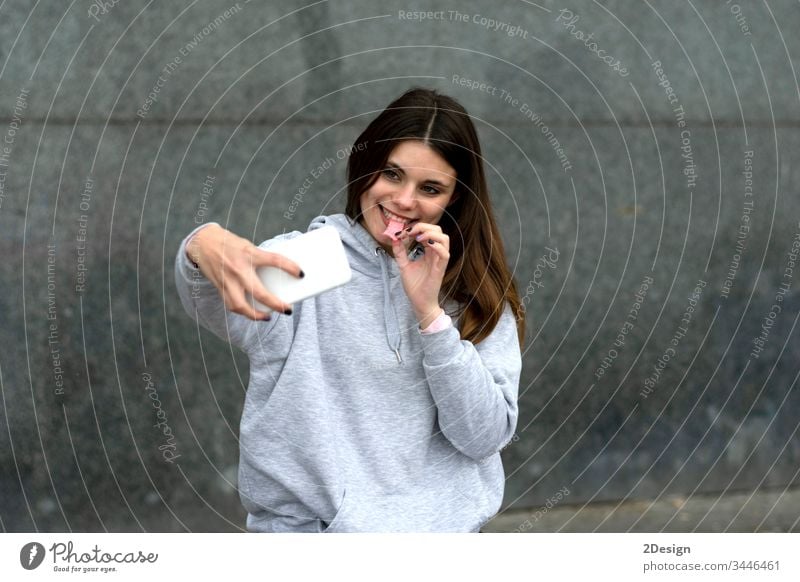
(381,405)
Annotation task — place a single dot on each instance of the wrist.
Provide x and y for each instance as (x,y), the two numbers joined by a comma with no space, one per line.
(427,317)
(192,252)
(193,249)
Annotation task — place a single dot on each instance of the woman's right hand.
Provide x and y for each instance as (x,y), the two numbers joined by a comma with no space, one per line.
(230,261)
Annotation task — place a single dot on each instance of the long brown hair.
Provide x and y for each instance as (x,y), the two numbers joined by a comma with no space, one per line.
(477,276)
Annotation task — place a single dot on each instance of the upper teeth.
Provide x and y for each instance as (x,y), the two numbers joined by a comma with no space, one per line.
(391,216)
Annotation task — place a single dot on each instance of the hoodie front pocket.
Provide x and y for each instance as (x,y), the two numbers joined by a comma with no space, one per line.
(340,516)
(432,508)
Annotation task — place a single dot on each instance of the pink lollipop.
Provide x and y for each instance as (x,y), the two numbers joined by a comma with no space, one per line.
(394,226)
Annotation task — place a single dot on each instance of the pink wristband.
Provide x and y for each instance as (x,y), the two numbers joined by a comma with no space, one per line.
(443,321)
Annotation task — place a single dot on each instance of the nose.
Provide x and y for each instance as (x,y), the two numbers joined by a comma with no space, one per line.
(404,197)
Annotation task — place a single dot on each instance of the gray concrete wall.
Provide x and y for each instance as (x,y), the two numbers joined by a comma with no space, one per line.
(649,184)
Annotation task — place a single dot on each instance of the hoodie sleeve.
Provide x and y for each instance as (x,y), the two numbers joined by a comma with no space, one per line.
(202,301)
(475,388)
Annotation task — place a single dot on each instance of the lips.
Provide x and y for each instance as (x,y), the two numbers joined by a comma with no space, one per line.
(395,217)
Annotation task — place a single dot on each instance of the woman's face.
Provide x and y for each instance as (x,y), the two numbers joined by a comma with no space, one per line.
(416,185)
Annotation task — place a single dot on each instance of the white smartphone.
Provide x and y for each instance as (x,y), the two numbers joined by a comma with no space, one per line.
(320,254)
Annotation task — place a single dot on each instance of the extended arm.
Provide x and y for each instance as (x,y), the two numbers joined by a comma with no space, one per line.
(213,276)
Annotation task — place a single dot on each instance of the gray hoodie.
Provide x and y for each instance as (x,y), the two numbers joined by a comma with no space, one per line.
(338,433)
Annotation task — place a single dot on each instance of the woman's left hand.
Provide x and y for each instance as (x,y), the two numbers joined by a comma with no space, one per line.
(422,279)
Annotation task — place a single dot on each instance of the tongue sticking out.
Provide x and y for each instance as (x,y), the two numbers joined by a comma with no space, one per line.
(394,226)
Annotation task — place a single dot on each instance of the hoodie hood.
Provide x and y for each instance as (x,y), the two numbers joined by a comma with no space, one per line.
(367,256)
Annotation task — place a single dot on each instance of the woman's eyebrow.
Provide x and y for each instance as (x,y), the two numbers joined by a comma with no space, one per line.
(395,166)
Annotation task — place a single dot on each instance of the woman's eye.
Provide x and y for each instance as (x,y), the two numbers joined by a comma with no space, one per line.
(430,190)
(391,174)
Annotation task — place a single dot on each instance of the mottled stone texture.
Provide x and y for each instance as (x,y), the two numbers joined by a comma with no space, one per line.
(605,176)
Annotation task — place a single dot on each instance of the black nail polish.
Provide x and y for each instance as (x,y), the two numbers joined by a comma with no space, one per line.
(302,274)
(288,312)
